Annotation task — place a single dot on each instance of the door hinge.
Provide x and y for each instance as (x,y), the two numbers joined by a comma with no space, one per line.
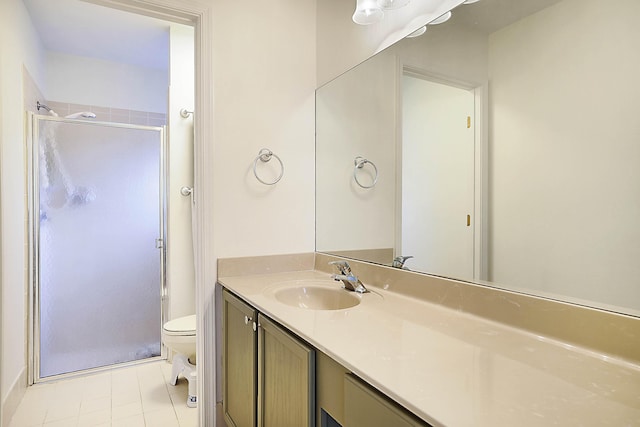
(159,243)
(468,220)
(468,122)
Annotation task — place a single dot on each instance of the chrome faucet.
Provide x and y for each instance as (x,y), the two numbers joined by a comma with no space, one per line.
(350,281)
(398,262)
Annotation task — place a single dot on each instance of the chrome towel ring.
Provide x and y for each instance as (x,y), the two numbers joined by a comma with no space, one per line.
(265,155)
(359,162)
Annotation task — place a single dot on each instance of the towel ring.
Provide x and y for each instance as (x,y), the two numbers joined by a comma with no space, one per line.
(265,155)
(359,162)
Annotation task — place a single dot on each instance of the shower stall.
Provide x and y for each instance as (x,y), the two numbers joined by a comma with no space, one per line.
(97,232)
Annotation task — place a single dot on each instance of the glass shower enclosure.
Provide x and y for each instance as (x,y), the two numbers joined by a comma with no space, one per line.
(97,230)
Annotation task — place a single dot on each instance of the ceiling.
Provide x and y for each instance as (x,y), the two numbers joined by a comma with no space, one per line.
(488,16)
(84,29)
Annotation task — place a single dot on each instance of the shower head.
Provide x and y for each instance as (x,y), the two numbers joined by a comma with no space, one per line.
(82,114)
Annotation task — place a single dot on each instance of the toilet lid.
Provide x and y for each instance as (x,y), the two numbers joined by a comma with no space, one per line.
(181,326)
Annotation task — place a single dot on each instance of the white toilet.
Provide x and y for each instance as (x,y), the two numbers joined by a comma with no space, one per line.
(179,335)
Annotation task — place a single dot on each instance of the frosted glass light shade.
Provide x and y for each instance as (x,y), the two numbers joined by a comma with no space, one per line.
(440,19)
(417,33)
(392,4)
(367,12)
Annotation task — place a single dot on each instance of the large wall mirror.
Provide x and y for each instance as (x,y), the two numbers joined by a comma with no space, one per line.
(499,147)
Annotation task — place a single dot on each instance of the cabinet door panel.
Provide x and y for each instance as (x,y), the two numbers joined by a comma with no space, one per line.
(239,362)
(364,407)
(286,379)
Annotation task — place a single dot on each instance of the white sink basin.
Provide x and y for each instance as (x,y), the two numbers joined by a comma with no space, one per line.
(317,297)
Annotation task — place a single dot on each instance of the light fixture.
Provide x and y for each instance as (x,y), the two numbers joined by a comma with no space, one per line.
(367,12)
(440,19)
(393,4)
(420,31)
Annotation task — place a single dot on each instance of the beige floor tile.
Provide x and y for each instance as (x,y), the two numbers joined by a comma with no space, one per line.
(126,411)
(26,416)
(190,420)
(181,388)
(39,396)
(67,422)
(120,399)
(156,405)
(94,418)
(96,404)
(162,418)
(183,412)
(62,411)
(135,421)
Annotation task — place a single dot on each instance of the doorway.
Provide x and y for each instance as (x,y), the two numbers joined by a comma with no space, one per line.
(97,209)
(438,148)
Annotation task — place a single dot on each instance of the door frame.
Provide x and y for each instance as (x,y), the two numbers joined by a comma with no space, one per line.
(198,14)
(33,209)
(481,138)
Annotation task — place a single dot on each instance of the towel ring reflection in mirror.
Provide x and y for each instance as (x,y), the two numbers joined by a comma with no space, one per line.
(359,163)
(265,155)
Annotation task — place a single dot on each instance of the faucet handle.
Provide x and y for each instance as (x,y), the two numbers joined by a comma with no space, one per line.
(342,266)
(398,262)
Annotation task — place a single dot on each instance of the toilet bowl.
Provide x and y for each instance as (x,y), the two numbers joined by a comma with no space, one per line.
(179,335)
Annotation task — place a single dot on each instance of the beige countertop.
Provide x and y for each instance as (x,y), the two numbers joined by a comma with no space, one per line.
(451,368)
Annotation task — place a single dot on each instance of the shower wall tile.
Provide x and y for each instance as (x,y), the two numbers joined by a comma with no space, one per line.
(101,111)
(114,115)
(157,122)
(139,117)
(60,108)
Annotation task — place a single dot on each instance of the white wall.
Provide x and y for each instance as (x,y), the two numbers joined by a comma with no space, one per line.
(19,45)
(264,68)
(91,81)
(180,266)
(564,151)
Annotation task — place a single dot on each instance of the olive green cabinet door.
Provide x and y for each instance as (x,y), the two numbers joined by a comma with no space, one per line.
(239,362)
(365,407)
(286,372)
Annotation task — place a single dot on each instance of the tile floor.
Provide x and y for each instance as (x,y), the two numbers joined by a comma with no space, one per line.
(137,396)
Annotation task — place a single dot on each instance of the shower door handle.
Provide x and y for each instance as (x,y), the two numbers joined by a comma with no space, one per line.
(159,243)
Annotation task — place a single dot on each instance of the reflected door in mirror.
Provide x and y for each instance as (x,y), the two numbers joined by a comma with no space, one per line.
(437,177)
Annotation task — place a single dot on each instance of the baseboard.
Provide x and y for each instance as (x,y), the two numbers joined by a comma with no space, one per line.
(15,395)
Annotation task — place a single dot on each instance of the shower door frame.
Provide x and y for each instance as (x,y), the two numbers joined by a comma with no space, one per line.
(33,208)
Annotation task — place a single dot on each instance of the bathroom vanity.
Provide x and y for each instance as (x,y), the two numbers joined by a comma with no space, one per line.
(270,376)
(401,359)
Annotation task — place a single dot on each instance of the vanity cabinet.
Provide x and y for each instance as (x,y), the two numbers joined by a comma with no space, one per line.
(240,362)
(269,374)
(286,378)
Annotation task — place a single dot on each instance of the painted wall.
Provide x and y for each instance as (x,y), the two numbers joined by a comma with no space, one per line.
(105,83)
(19,44)
(552,202)
(180,267)
(263,98)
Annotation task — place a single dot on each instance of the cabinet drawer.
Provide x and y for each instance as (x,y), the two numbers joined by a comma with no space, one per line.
(366,407)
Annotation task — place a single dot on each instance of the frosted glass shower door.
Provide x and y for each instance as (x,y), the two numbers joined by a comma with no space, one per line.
(99,279)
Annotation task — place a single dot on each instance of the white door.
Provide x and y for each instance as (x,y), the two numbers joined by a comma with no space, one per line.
(437,178)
